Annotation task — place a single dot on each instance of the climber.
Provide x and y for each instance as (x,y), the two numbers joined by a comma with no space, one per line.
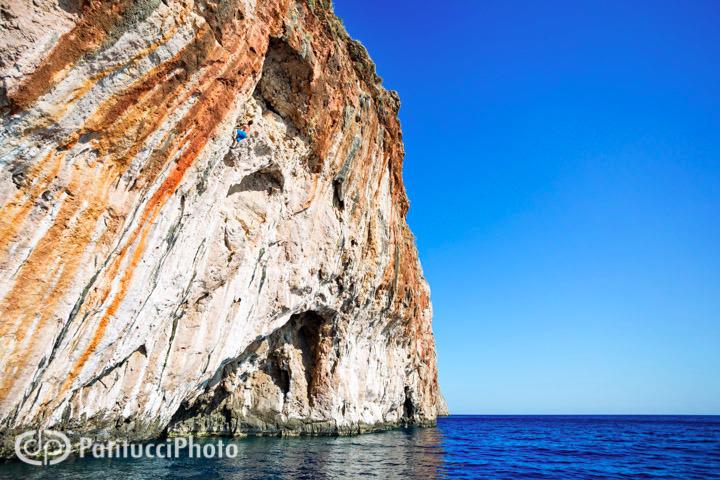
(240,135)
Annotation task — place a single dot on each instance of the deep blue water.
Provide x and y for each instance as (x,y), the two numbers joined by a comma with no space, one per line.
(493,447)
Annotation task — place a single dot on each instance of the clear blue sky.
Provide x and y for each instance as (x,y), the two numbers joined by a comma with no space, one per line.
(563,168)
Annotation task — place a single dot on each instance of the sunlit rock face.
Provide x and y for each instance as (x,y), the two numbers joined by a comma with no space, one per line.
(157,277)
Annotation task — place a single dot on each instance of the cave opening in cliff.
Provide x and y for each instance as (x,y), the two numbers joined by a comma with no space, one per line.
(309,333)
(268,179)
(284,85)
(408,406)
(312,331)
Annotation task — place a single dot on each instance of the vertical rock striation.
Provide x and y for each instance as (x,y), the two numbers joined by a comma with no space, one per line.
(157,278)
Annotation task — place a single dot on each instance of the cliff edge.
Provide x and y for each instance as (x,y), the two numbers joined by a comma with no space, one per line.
(157,277)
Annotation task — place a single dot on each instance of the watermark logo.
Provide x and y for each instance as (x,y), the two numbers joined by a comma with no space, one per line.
(49,447)
(42,447)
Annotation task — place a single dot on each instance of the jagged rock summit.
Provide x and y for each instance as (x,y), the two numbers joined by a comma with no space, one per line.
(157,277)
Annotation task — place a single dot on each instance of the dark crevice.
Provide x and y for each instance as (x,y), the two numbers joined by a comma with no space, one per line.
(279,375)
(309,337)
(142,350)
(408,407)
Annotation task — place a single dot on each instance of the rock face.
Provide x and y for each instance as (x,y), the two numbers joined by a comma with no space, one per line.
(157,278)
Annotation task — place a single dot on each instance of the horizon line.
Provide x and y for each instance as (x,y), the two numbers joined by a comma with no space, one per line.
(581,415)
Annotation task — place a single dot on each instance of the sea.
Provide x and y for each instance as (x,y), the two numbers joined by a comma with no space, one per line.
(477,447)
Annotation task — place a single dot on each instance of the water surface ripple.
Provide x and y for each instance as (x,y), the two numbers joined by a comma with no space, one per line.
(492,447)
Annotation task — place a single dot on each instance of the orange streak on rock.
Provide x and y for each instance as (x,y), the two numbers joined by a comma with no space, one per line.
(111,310)
(62,105)
(139,112)
(97,20)
(17,209)
(31,270)
(105,122)
(199,124)
(50,271)
(128,119)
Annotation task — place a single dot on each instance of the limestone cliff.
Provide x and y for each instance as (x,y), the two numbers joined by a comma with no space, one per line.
(155,277)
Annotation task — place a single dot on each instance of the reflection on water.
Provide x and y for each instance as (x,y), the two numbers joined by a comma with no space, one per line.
(408,453)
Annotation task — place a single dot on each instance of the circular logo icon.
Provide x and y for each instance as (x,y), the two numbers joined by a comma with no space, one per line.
(42,447)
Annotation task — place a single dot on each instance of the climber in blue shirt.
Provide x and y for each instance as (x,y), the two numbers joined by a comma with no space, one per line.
(240,135)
